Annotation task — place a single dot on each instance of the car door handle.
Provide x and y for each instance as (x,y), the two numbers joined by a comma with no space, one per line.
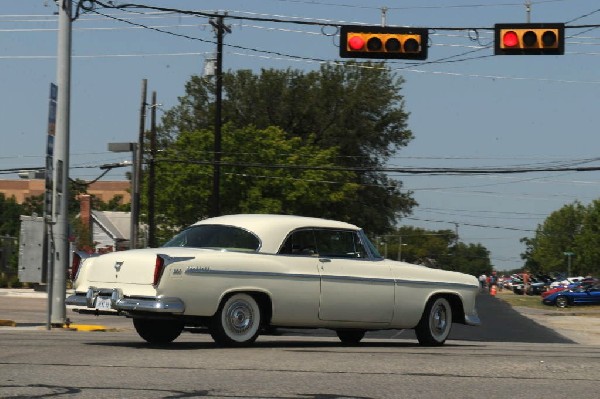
(324,260)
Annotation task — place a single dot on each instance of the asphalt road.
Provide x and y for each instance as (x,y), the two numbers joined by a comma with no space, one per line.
(64,364)
(508,356)
(500,322)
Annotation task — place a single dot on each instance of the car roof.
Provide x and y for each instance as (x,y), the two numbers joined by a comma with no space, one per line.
(273,229)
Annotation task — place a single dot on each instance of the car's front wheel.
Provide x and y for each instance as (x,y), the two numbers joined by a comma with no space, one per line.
(350,337)
(157,331)
(435,324)
(562,302)
(237,322)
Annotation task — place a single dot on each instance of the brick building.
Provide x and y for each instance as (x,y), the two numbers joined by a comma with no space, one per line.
(103,190)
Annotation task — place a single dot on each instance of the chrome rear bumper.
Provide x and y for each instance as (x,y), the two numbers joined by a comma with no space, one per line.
(118,302)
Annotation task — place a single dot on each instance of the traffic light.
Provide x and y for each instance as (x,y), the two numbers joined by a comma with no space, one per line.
(383,42)
(529,39)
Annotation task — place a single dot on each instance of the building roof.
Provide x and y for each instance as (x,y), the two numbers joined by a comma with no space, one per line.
(115,224)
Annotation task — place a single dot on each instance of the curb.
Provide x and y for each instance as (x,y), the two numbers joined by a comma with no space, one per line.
(69,327)
(88,327)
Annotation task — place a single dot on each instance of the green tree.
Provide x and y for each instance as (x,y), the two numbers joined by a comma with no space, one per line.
(587,243)
(418,245)
(471,259)
(114,204)
(355,108)
(262,172)
(554,237)
(10,212)
(531,264)
(33,204)
(437,249)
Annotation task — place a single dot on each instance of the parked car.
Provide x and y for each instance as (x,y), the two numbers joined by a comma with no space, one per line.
(582,295)
(539,285)
(560,288)
(566,281)
(240,274)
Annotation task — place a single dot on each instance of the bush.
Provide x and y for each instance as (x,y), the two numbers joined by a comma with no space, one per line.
(10,281)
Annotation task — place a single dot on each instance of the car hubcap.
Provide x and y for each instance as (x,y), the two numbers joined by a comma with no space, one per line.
(239,317)
(438,321)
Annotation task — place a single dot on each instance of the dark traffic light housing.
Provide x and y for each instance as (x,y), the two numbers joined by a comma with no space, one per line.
(383,42)
(529,39)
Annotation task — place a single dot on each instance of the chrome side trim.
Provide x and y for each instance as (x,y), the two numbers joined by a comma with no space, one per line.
(204,271)
(359,279)
(435,284)
(197,271)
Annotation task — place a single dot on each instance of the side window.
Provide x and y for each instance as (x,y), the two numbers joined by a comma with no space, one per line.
(339,244)
(301,242)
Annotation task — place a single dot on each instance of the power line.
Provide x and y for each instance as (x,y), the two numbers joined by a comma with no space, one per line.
(470,224)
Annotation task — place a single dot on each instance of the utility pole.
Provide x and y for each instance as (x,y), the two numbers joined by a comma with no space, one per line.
(220,29)
(137,175)
(384,11)
(151,175)
(60,190)
(528,10)
(456,232)
(568,254)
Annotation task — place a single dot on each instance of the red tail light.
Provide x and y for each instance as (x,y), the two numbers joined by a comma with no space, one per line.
(159,267)
(75,263)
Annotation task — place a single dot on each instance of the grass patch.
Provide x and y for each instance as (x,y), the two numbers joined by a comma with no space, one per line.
(535,302)
(524,300)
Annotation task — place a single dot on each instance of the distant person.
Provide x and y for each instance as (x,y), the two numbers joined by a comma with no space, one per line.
(493,281)
(482,281)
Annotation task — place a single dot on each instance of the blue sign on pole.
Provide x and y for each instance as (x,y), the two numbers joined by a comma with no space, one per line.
(50,149)
(52,110)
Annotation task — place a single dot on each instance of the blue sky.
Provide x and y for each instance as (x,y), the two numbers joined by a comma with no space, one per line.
(479,110)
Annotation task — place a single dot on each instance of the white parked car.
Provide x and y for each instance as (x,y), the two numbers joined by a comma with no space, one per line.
(566,281)
(240,274)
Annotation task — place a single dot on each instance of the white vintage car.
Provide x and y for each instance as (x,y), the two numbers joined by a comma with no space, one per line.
(238,275)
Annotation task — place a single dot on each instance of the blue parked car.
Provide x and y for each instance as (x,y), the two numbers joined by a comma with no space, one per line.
(582,295)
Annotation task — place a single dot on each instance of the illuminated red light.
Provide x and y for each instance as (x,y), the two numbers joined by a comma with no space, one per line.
(356,43)
(510,39)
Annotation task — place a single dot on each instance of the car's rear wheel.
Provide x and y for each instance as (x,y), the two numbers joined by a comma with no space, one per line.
(435,324)
(237,322)
(350,337)
(156,331)
(562,302)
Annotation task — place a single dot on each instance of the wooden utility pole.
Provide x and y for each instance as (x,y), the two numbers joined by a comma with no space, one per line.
(151,176)
(137,173)
(220,29)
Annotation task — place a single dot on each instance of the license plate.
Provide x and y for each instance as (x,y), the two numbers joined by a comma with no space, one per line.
(103,303)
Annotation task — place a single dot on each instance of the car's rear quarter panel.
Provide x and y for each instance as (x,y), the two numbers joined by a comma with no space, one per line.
(292,285)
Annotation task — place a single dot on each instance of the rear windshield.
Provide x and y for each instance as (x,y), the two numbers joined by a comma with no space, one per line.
(216,236)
